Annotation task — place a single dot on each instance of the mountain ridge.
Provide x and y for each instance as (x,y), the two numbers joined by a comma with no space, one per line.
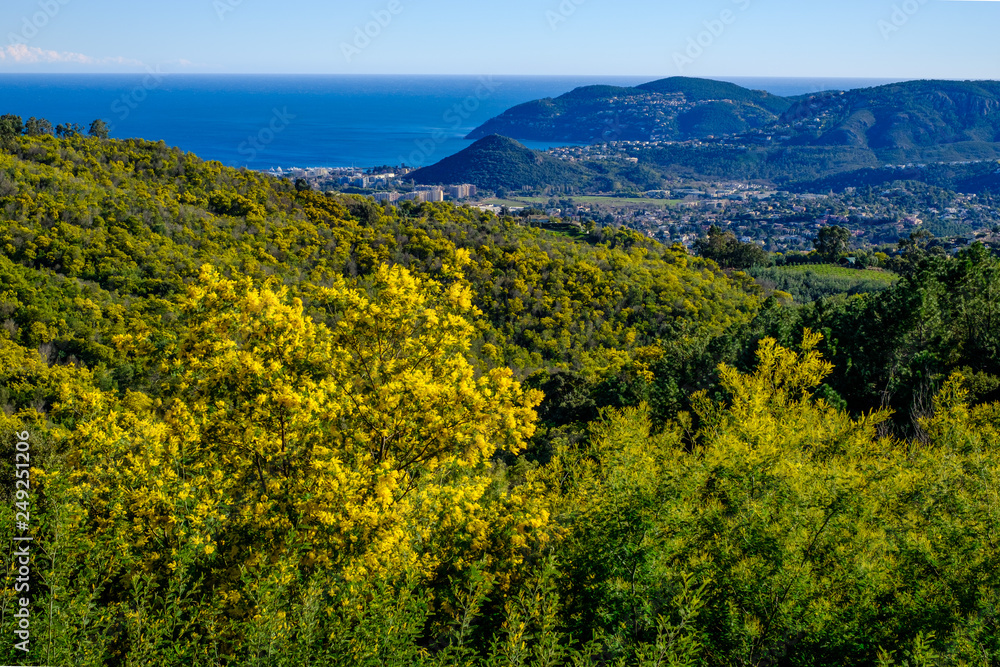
(656,108)
(893,120)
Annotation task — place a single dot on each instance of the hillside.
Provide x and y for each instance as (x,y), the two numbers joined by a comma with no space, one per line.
(709,90)
(780,164)
(672,109)
(247,423)
(496,162)
(771,137)
(912,119)
(133,222)
(972,178)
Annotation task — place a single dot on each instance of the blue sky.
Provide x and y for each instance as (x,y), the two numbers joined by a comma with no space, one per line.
(843,38)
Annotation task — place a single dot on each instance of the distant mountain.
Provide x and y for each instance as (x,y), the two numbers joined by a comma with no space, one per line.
(930,120)
(677,108)
(741,134)
(498,162)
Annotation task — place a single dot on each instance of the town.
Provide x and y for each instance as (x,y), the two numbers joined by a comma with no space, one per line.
(776,220)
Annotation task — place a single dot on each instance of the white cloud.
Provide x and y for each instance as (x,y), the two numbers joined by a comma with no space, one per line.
(22,54)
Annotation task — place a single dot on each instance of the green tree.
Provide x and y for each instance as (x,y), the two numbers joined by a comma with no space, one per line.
(38,126)
(726,250)
(11,127)
(69,130)
(832,242)
(99,129)
(914,253)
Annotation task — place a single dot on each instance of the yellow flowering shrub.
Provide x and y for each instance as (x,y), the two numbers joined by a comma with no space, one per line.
(366,447)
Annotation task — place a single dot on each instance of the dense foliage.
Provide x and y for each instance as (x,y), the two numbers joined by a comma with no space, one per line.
(498,163)
(726,250)
(970,177)
(897,347)
(274,427)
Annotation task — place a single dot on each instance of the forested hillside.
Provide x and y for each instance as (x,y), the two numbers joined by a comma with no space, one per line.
(708,130)
(976,177)
(912,119)
(676,108)
(270,426)
(498,163)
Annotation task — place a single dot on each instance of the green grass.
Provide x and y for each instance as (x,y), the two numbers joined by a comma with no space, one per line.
(809,282)
(835,271)
(625,201)
(575,234)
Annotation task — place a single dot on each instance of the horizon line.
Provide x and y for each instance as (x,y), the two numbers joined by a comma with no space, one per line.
(480,74)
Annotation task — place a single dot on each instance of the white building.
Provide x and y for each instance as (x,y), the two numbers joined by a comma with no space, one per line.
(463,191)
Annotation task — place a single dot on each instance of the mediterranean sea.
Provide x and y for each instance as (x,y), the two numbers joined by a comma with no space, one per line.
(267,121)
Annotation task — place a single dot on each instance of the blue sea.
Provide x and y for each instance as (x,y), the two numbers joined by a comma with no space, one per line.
(262,122)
